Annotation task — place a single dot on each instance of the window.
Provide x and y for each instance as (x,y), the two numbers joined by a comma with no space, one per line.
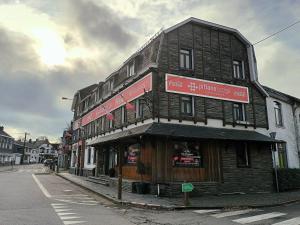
(239,112)
(282,157)
(94,156)
(238,69)
(139,109)
(242,155)
(187,105)
(89,155)
(130,69)
(186,59)
(123,115)
(186,154)
(110,124)
(102,123)
(278,114)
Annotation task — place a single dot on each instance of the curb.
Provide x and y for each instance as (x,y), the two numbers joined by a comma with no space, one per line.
(169,208)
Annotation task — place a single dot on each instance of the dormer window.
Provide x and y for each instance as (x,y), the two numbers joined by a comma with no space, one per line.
(130,69)
(238,69)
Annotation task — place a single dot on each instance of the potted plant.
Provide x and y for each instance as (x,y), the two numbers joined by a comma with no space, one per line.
(141,187)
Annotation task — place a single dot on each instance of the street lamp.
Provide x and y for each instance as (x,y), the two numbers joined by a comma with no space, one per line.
(65,98)
(273,149)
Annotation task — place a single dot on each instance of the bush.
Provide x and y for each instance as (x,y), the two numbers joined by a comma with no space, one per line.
(288,179)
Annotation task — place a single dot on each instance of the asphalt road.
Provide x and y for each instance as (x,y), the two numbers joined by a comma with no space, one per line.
(45,199)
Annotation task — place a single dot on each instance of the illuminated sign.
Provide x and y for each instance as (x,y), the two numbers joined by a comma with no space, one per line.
(205,88)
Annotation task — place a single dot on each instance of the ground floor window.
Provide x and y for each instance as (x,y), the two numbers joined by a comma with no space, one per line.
(132,153)
(282,157)
(186,154)
(243,155)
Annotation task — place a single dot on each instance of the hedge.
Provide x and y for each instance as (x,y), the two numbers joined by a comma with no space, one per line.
(288,179)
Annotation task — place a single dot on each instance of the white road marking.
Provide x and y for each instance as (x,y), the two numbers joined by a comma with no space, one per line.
(252,219)
(234,213)
(67,190)
(65,214)
(73,222)
(206,211)
(43,189)
(57,204)
(69,217)
(62,210)
(60,207)
(294,221)
(89,201)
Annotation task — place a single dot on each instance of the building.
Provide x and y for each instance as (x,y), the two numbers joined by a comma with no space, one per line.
(65,149)
(188,107)
(284,121)
(6,147)
(18,151)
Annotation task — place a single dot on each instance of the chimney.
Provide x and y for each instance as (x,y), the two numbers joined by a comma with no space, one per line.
(1,128)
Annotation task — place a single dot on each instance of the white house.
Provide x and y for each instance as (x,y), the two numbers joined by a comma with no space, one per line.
(6,147)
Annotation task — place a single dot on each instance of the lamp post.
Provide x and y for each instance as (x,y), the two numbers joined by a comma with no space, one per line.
(273,149)
(65,98)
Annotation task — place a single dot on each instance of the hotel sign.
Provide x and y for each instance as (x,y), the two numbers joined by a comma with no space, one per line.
(132,92)
(205,88)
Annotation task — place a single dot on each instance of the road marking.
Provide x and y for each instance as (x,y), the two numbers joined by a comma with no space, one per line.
(206,211)
(294,221)
(65,214)
(234,213)
(62,210)
(69,217)
(252,219)
(57,204)
(60,207)
(67,190)
(43,189)
(73,222)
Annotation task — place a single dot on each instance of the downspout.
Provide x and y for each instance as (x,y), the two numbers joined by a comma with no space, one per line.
(297,132)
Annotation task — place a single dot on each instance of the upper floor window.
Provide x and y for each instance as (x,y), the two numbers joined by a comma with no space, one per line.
(187,105)
(110,124)
(239,112)
(139,109)
(242,155)
(186,59)
(130,69)
(278,114)
(238,69)
(123,115)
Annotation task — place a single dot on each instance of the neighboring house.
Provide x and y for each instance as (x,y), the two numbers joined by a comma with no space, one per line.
(65,149)
(6,147)
(18,151)
(187,106)
(284,120)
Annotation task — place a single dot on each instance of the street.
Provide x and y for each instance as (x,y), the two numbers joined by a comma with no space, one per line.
(29,196)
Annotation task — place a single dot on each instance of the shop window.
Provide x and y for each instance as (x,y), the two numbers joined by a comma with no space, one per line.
(139,109)
(89,155)
(278,114)
(187,105)
(186,154)
(238,69)
(282,157)
(239,112)
(132,153)
(242,155)
(123,115)
(186,59)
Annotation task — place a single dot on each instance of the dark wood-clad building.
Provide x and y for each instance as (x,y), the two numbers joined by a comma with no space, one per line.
(186,105)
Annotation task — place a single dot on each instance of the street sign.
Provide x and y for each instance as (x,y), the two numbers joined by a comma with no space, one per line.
(187,187)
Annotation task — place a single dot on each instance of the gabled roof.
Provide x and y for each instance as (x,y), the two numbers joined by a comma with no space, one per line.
(82,93)
(280,95)
(3,133)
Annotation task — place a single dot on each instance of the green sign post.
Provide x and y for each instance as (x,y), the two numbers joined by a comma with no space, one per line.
(186,188)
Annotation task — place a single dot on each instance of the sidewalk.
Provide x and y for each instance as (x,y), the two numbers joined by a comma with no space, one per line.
(207,202)
(7,168)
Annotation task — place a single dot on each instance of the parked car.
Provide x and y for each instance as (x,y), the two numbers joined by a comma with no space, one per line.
(48,162)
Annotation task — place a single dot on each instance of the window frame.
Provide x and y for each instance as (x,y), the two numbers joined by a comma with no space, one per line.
(131,69)
(247,154)
(89,155)
(123,115)
(242,111)
(239,64)
(183,62)
(278,112)
(139,109)
(184,107)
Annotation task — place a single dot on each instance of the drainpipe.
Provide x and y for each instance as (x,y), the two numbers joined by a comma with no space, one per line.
(297,132)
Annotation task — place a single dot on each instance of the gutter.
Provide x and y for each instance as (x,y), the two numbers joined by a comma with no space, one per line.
(297,132)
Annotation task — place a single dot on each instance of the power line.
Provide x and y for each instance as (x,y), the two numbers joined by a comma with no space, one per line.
(283,29)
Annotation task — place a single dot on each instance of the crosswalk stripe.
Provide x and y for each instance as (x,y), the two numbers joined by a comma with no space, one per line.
(57,204)
(62,210)
(65,214)
(69,217)
(234,213)
(206,211)
(294,221)
(252,219)
(73,222)
(60,206)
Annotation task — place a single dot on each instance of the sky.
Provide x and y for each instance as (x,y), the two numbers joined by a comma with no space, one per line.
(52,48)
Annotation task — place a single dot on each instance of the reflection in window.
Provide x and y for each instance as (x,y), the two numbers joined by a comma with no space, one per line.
(132,153)
(186,154)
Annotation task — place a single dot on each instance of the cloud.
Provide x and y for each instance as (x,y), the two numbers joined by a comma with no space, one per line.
(100,24)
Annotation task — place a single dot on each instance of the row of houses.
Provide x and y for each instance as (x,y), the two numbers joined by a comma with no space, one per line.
(188,106)
(11,151)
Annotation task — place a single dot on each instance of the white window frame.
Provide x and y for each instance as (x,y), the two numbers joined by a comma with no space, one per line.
(123,114)
(130,69)
(192,105)
(191,59)
(243,113)
(236,73)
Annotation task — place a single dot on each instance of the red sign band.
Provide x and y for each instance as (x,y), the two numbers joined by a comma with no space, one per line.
(132,92)
(205,88)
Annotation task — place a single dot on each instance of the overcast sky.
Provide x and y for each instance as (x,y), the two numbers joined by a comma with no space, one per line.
(51,48)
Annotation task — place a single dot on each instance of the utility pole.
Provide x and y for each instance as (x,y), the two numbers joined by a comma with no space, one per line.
(24,145)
